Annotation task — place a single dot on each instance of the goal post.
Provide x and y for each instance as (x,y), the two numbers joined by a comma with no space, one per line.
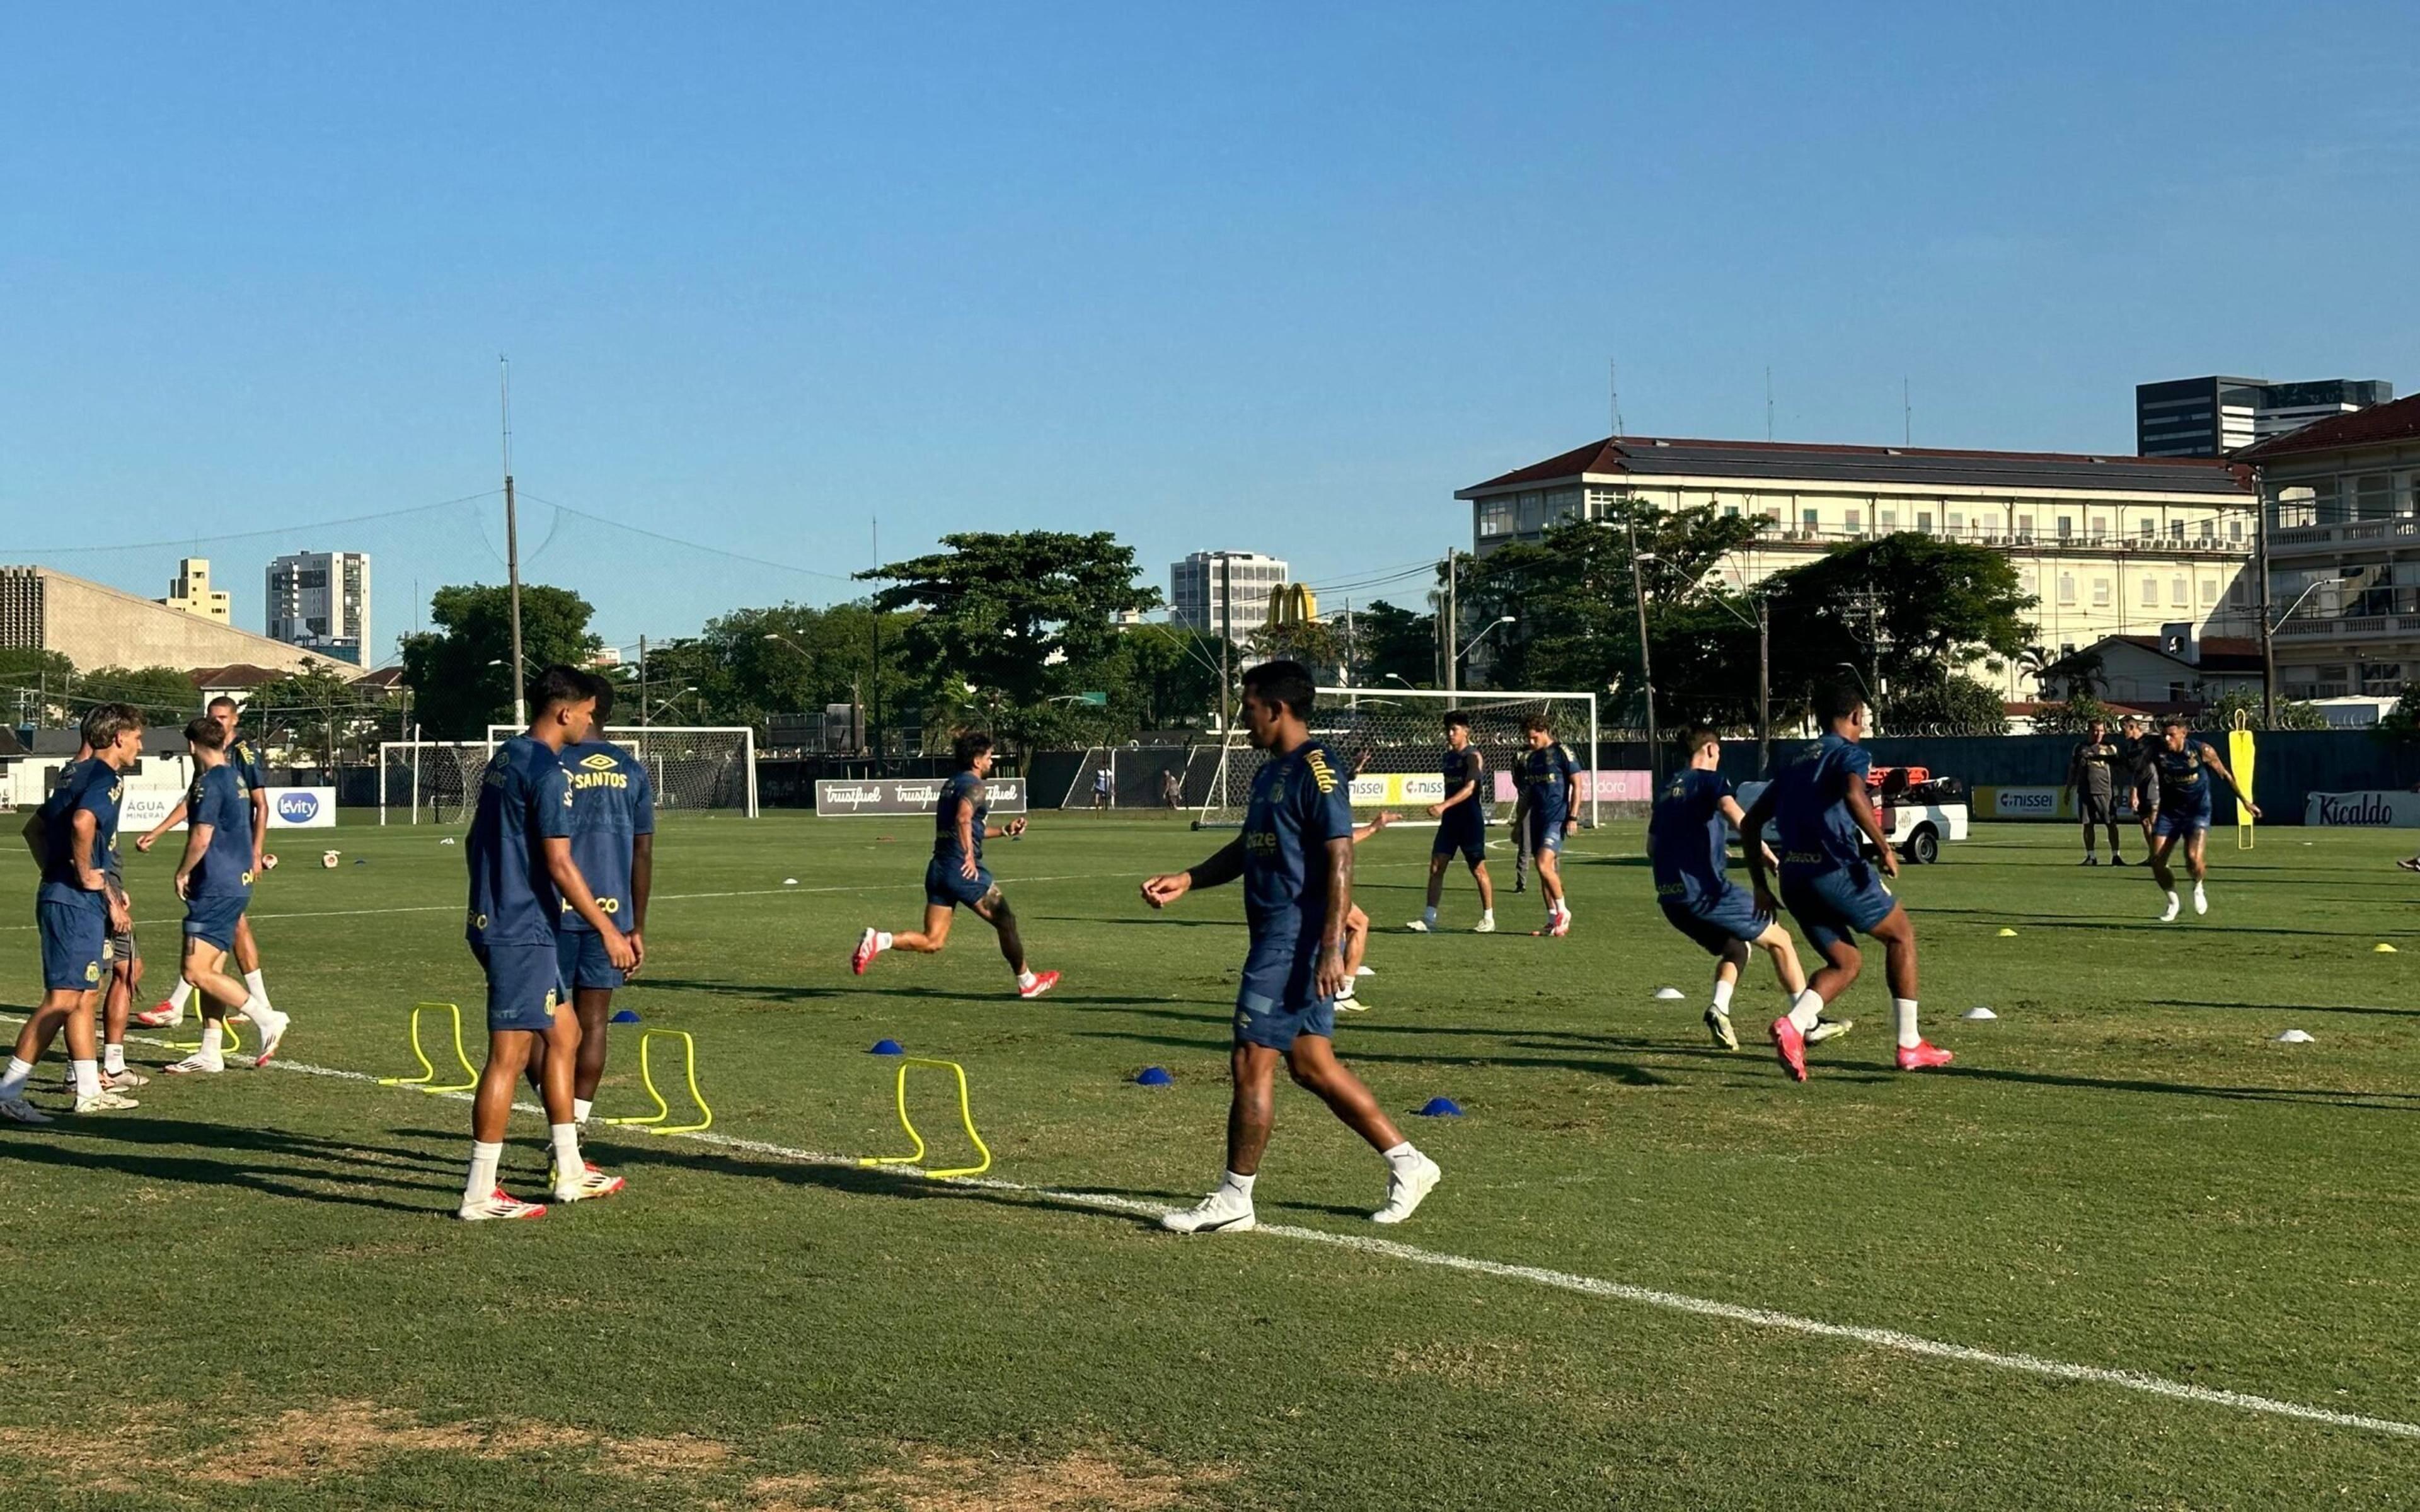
(1392,739)
(428,782)
(691,766)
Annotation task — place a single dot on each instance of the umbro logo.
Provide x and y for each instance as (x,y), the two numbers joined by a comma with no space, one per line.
(599,762)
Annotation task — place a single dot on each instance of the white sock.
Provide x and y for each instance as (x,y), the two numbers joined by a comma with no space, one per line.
(579,1106)
(260,993)
(1403,1157)
(1562,905)
(182,995)
(1904,1020)
(568,1164)
(213,1040)
(484,1160)
(113,1059)
(256,1008)
(1025,978)
(1723,996)
(2172,897)
(1807,1010)
(12,1086)
(88,1078)
(1487,915)
(881,941)
(2197,892)
(1240,1185)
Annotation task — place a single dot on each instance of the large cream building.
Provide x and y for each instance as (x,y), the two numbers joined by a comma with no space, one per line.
(96,627)
(2109,545)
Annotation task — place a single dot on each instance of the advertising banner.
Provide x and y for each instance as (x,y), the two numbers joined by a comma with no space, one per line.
(2363,810)
(145,807)
(892,796)
(2038,803)
(1606,787)
(301,807)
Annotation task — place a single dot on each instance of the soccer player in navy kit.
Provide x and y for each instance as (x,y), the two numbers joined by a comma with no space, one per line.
(1550,809)
(1462,828)
(1295,859)
(614,843)
(69,835)
(214,878)
(1826,819)
(519,853)
(1686,841)
(957,875)
(2183,764)
(245,758)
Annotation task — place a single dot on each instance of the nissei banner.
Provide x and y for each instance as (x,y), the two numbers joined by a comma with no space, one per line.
(891,796)
(1398,790)
(2363,810)
(2038,803)
(301,807)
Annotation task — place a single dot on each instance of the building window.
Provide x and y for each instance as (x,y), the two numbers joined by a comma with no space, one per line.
(1730,512)
(1924,520)
(2151,593)
(1533,512)
(2240,593)
(2177,592)
(1956,522)
(1808,518)
(2100,593)
(2176,530)
(1887,521)
(1855,519)
(2024,527)
(2067,527)
(1495,516)
(2209,591)
(2100,526)
(2144,528)
(2235,529)
(2209,530)
(2066,588)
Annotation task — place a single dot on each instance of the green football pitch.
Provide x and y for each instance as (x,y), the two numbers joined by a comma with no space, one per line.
(2129,1252)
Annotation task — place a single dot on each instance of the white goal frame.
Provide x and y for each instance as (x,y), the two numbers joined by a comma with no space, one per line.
(410,756)
(1237,761)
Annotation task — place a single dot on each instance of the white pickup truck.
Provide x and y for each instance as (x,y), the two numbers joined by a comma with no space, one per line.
(1926,815)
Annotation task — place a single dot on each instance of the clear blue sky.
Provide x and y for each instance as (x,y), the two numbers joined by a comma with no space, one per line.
(1274,277)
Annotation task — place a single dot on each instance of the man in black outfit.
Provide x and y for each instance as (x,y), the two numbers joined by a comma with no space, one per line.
(2091,772)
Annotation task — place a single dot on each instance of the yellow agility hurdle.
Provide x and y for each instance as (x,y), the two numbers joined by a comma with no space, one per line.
(2239,753)
(966,1115)
(654,1123)
(230,1042)
(427,1080)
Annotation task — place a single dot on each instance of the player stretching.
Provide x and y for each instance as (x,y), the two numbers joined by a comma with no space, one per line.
(522,876)
(69,835)
(2184,764)
(1829,888)
(1686,839)
(1295,858)
(1549,780)
(613,842)
(214,878)
(1461,826)
(246,759)
(957,875)
(2092,773)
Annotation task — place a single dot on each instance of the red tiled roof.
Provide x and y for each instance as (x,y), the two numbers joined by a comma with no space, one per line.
(235,675)
(386,679)
(1650,455)
(2219,653)
(2397,420)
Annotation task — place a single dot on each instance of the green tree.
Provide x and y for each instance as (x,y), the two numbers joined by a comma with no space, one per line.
(1902,610)
(1165,677)
(1313,643)
(1011,621)
(2073,716)
(1389,641)
(1952,704)
(2223,710)
(316,709)
(164,694)
(753,663)
(462,671)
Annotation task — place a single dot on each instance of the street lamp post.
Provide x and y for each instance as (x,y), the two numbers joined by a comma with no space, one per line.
(1472,645)
(1646,662)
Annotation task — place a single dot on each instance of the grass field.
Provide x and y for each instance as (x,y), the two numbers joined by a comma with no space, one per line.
(248,1293)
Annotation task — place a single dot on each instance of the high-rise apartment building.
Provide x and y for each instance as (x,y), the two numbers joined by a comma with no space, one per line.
(2214,416)
(190,590)
(1224,594)
(322,599)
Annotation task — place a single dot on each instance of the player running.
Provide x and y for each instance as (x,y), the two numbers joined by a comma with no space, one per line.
(1461,826)
(214,878)
(1824,817)
(69,835)
(1295,859)
(614,843)
(1686,841)
(2092,773)
(2183,764)
(245,758)
(522,876)
(957,874)
(1549,784)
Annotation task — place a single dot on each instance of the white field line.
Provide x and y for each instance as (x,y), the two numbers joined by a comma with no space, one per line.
(1763,1317)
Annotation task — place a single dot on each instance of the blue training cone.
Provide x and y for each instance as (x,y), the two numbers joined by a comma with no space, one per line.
(627,1015)
(1440,1107)
(1153,1076)
(887,1047)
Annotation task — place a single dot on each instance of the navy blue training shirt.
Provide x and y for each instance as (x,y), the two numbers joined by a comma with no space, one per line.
(89,786)
(1688,834)
(963,786)
(1810,807)
(1301,801)
(524,800)
(1546,774)
(2183,782)
(222,800)
(612,802)
(1460,769)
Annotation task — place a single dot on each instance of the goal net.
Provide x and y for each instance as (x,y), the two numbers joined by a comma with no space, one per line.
(428,782)
(691,768)
(1394,740)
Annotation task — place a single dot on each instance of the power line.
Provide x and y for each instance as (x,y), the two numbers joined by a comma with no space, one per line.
(694,546)
(184,541)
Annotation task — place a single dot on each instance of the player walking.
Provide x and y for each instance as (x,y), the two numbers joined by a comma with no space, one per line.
(2185,764)
(1461,826)
(522,874)
(69,835)
(957,874)
(121,960)
(214,878)
(1828,886)
(2092,773)
(1295,859)
(1549,786)
(245,758)
(1686,841)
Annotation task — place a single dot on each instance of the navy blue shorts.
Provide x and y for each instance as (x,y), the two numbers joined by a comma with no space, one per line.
(1716,922)
(1834,906)
(1467,835)
(2186,819)
(946,887)
(524,984)
(1277,1001)
(212,920)
(74,935)
(581,962)
(1545,833)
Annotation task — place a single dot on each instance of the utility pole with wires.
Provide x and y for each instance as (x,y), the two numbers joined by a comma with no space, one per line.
(513,552)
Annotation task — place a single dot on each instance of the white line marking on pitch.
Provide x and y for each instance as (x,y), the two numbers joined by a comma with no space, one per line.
(1765,1318)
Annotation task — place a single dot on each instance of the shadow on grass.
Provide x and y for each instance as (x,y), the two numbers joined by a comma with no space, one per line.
(136,1147)
(2290,1008)
(2307,1097)
(809,994)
